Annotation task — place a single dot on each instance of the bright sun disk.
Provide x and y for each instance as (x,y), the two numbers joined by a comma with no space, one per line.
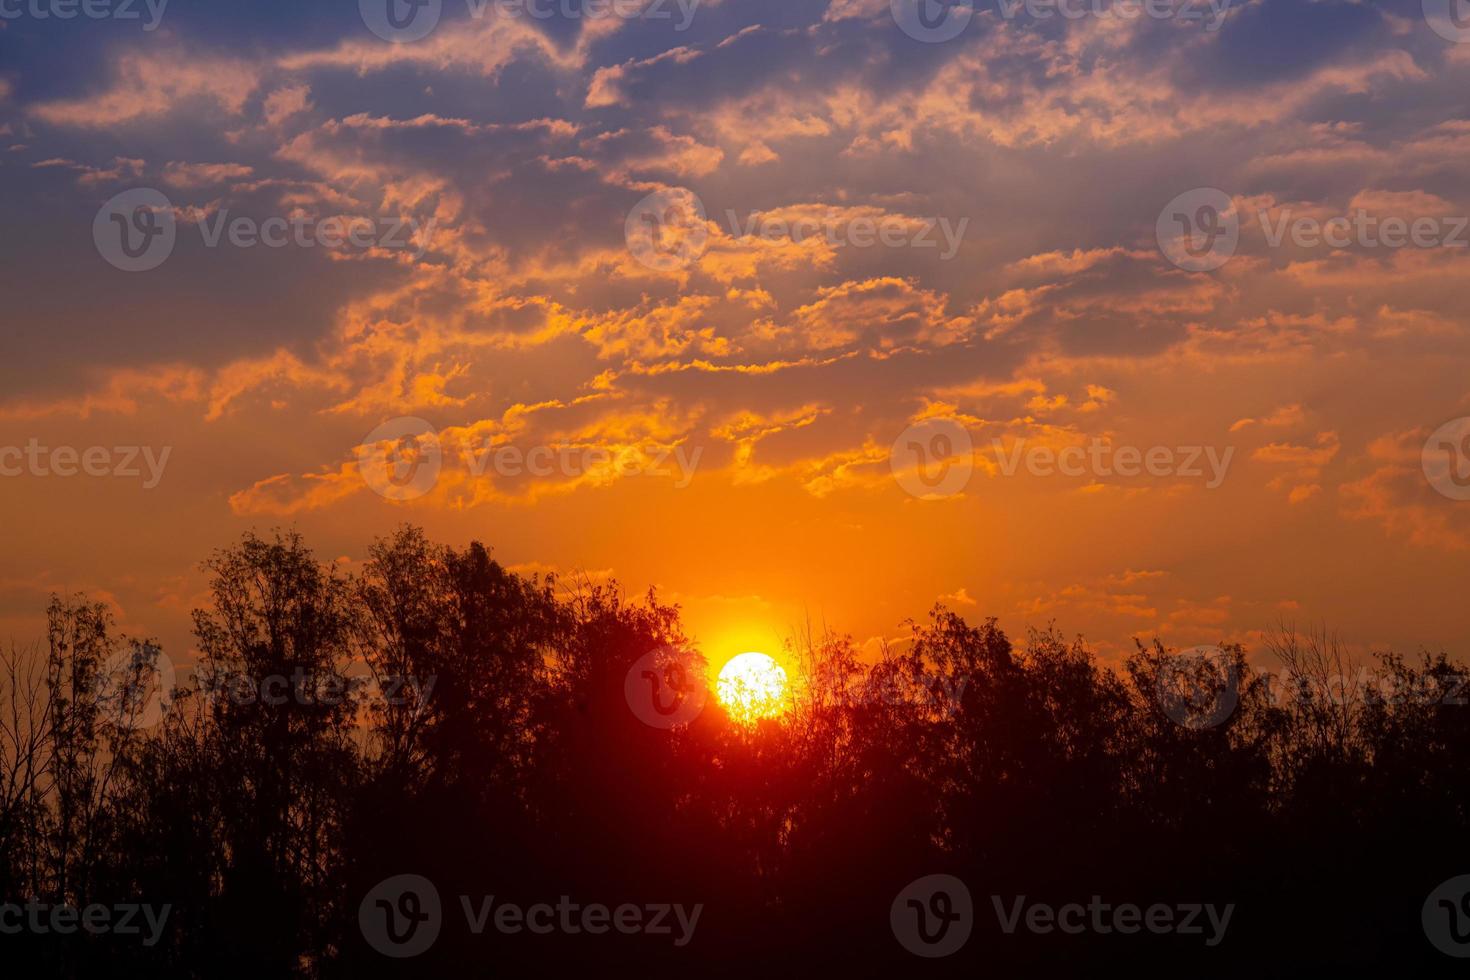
(751,686)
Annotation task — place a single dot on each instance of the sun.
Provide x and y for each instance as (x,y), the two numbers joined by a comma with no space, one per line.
(751,686)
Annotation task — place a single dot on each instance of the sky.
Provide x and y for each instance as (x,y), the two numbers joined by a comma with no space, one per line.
(1145,322)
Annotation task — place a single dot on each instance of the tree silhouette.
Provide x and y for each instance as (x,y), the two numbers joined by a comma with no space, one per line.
(438,715)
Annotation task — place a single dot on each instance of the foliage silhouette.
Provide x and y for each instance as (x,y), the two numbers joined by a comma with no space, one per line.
(439,715)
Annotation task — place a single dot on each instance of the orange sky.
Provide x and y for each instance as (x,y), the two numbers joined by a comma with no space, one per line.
(525,311)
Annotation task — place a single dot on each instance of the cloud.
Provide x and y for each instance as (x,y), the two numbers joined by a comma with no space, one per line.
(182,174)
(1397,496)
(121,169)
(286,102)
(1287,416)
(793,360)
(122,393)
(483,46)
(146,85)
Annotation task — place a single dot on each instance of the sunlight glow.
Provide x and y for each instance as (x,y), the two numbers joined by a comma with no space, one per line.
(751,686)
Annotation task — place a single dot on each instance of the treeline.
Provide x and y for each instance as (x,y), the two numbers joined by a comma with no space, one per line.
(444,717)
